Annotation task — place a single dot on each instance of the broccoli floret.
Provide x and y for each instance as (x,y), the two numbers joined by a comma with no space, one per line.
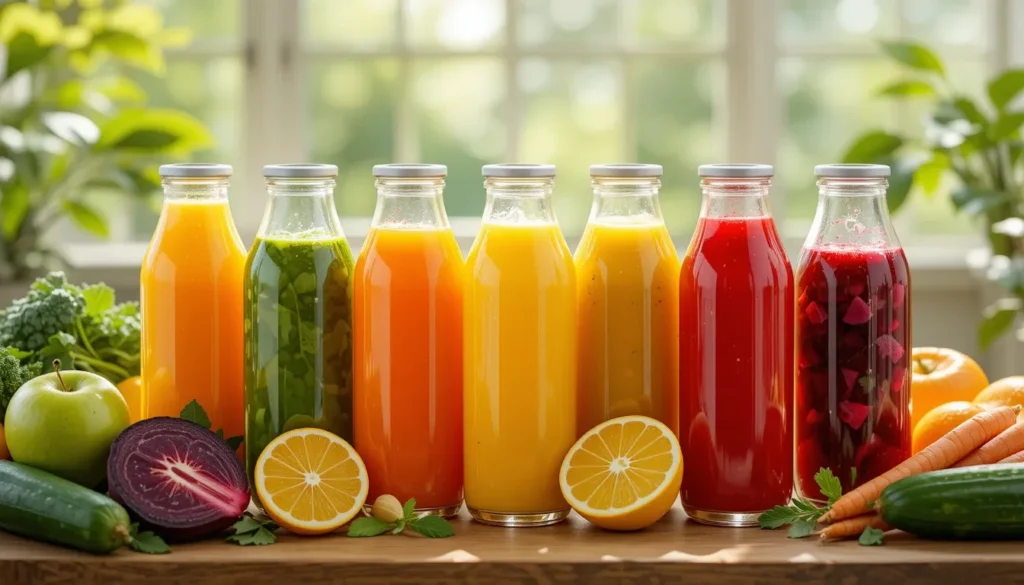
(12,376)
(50,308)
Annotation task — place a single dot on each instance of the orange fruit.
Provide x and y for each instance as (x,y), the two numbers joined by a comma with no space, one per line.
(941,375)
(1005,392)
(5,453)
(623,474)
(131,390)
(311,481)
(940,420)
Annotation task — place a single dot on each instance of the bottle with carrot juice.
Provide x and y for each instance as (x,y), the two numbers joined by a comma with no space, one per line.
(520,352)
(408,343)
(852,334)
(628,302)
(191,300)
(298,312)
(735,353)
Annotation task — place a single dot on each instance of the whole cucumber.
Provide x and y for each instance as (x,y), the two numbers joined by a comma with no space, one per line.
(42,506)
(968,503)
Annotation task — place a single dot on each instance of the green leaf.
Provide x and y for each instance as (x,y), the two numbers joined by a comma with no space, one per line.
(17,353)
(246,524)
(1003,89)
(1007,125)
(71,127)
(975,200)
(368,526)
(98,298)
(778,517)
(148,543)
(928,176)
(24,52)
(872,146)
(871,537)
(900,182)
(153,131)
(193,412)
(259,537)
(908,88)
(432,527)
(235,442)
(828,484)
(59,347)
(801,528)
(915,56)
(13,209)
(408,510)
(998,318)
(970,111)
(130,48)
(87,218)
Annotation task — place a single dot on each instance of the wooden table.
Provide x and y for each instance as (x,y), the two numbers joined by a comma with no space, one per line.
(673,551)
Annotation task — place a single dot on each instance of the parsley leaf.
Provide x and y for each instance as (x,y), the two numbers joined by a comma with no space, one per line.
(801,528)
(260,537)
(193,412)
(871,537)
(234,442)
(778,517)
(368,526)
(246,524)
(828,484)
(147,542)
(433,527)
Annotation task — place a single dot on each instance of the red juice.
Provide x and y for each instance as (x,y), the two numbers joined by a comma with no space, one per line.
(736,370)
(853,380)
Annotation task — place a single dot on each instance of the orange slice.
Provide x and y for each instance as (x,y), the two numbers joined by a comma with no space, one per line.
(310,481)
(623,474)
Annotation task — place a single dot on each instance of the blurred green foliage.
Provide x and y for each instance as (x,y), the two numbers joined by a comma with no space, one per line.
(73,120)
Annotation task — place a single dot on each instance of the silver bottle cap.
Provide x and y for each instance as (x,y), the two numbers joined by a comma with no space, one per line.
(409,170)
(197,170)
(626,170)
(519,170)
(736,171)
(852,171)
(300,171)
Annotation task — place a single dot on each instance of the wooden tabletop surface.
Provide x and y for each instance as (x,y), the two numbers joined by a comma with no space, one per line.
(674,550)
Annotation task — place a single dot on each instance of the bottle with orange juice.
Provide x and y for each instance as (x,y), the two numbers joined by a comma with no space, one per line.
(407,320)
(519,344)
(191,300)
(628,301)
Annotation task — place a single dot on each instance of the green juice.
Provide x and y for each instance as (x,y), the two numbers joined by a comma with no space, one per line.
(298,339)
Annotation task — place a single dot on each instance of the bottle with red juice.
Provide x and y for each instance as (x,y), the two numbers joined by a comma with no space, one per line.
(736,300)
(852,334)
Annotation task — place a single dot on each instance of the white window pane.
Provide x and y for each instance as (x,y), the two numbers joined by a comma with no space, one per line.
(350,122)
(218,21)
(838,22)
(459,122)
(949,22)
(678,133)
(568,22)
(456,24)
(351,23)
(572,118)
(677,21)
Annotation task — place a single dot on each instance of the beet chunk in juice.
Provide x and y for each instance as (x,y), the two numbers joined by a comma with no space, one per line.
(852,334)
(735,353)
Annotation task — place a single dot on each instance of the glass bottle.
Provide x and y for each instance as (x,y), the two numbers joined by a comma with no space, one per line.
(852,334)
(191,300)
(735,353)
(519,346)
(298,312)
(408,343)
(627,301)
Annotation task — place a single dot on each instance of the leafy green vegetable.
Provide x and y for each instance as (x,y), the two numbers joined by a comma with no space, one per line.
(429,526)
(435,527)
(252,531)
(13,375)
(298,338)
(802,528)
(871,537)
(51,306)
(829,485)
(147,542)
(368,526)
(802,515)
(195,413)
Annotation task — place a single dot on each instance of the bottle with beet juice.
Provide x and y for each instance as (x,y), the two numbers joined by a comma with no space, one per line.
(735,353)
(852,334)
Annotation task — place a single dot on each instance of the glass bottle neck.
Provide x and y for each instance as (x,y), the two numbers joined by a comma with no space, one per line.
(626,200)
(300,207)
(519,201)
(735,198)
(197,189)
(410,203)
(854,212)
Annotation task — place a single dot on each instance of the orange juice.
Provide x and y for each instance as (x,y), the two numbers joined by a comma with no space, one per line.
(191,293)
(520,355)
(628,302)
(408,356)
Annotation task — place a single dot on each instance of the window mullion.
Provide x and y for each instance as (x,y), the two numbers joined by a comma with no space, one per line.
(406,128)
(513,101)
(260,97)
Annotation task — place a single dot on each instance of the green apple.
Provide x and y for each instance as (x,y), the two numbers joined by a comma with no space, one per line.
(65,423)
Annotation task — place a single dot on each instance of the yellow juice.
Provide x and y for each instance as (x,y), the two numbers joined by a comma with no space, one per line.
(520,374)
(628,331)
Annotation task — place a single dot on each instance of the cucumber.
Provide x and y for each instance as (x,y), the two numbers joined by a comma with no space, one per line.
(969,503)
(42,506)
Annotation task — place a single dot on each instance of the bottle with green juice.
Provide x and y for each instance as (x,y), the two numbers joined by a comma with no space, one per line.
(298,312)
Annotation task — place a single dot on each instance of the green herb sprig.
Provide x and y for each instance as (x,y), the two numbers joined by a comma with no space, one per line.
(429,526)
(146,542)
(194,412)
(253,531)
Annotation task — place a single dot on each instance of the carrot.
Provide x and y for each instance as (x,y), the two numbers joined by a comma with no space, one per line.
(950,448)
(1002,446)
(1017,457)
(852,527)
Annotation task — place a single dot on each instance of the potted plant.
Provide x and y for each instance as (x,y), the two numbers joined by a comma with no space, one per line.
(74,121)
(980,144)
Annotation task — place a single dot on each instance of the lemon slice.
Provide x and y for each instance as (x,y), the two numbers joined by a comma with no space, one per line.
(623,474)
(311,481)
